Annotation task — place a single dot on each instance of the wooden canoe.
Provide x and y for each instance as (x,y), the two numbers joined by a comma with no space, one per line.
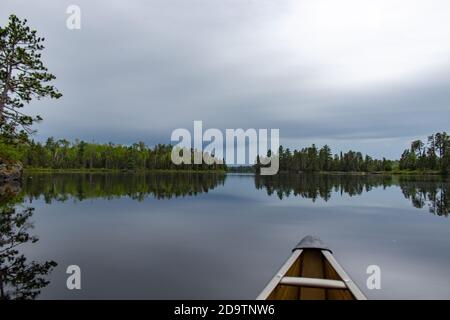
(311,273)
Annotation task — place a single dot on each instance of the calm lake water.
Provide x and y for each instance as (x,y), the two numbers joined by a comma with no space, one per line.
(207,236)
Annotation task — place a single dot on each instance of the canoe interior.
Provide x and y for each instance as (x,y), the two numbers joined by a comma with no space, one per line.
(310,264)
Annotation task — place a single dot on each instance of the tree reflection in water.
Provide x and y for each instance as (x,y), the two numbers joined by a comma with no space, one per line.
(431,191)
(23,279)
(19,278)
(61,187)
(425,192)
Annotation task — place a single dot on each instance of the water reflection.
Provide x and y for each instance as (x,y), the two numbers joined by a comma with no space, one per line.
(430,191)
(425,192)
(19,277)
(254,230)
(61,187)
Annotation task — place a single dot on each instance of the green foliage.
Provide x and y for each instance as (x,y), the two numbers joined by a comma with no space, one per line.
(432,155)
(8,152)
(241,169)
(312,159)
(62,154)
(23,77)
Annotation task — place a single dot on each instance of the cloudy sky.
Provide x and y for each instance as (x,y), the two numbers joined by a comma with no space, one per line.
(361,74)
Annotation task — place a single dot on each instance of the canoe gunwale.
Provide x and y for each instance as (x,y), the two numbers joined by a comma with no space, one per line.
(273,283)
(280,278)
(351,286)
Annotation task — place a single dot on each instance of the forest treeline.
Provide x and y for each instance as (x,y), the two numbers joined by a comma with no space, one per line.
(433,155)
(313,159)
(62,154)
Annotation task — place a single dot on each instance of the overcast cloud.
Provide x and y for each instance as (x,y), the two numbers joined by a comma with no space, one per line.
(367,75)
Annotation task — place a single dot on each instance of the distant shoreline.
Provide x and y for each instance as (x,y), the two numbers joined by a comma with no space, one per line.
(48,170)
(356,173)
(393,172)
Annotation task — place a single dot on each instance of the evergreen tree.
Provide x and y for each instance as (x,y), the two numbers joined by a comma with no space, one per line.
(23,77)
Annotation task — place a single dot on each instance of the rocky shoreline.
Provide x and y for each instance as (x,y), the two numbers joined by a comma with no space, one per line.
(10,171)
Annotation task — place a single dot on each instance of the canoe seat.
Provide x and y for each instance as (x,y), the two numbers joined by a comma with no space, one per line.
(313,282)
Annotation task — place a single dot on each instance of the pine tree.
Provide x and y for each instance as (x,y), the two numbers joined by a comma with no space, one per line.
(23,77)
